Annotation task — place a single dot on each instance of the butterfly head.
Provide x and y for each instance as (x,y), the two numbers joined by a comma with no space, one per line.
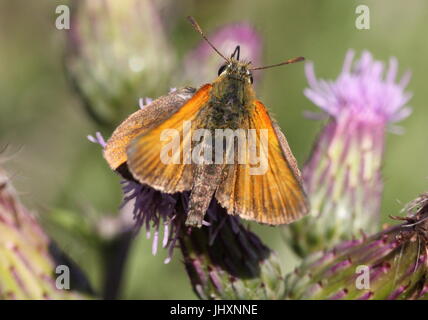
(233,68)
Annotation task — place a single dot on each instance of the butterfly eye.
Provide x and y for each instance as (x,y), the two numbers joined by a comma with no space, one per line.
(222,68)
(251,78)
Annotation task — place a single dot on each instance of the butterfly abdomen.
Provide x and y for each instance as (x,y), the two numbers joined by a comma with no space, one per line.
(207,178)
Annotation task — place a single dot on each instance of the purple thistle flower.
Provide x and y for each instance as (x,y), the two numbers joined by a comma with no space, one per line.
(144,102)
(362,90)
(98,138)
(343,174)
(151,208)
(154,210)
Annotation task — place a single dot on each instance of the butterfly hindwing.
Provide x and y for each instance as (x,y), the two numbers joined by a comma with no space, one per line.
(145,151)
(274,197)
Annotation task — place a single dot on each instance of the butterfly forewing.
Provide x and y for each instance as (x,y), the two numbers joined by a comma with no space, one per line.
(144,152)
(142,121)
(275,197)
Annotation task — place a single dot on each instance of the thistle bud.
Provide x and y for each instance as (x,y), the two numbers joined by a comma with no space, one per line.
(27,269)
(117,52)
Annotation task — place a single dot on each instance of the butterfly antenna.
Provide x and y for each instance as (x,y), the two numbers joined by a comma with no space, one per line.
(294,60)
(198,29)
(236,52)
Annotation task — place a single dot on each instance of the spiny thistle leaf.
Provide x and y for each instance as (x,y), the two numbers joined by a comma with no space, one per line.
(392,264)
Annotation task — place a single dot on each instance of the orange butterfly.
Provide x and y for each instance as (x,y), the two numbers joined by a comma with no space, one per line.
(165,129)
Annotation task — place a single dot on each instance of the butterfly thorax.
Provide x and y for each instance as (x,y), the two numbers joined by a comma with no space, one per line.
(232,96)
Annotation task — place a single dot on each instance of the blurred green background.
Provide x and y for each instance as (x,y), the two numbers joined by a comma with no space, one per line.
(57,170)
